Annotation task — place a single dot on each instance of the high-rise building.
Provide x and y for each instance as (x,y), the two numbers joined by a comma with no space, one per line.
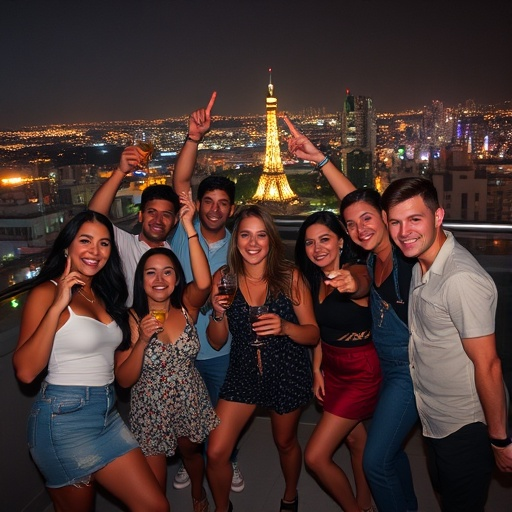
(358,140)
(273,186)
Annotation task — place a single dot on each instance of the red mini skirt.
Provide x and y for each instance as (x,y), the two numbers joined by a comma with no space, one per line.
(352,379)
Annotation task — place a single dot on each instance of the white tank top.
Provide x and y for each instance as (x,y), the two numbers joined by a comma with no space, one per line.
(83,352)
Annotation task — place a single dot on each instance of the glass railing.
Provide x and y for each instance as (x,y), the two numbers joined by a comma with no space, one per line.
(21,487)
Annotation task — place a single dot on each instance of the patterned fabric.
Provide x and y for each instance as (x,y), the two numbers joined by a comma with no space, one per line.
(170,399)
(285,381)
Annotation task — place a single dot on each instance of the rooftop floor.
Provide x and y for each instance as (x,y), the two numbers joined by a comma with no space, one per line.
(264,485)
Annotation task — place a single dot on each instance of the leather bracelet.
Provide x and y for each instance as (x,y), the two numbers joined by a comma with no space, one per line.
(501,443)
(215,319)
(193,140)
(193,236)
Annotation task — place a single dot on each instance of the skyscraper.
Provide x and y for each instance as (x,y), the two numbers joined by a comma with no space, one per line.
(358,140)
(273,186)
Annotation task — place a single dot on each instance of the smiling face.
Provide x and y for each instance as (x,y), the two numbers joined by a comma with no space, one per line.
(366,226)
(323,247)
(252,240)
(90,249)
(158,219)
(416,229)
(159,278)
(214,209)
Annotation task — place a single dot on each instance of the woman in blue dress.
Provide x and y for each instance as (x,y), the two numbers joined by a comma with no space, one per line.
(270,363)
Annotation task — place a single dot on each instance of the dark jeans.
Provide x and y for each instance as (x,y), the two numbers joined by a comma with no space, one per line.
(460,467)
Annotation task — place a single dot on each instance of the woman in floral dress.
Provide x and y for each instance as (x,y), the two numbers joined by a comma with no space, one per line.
(170,406)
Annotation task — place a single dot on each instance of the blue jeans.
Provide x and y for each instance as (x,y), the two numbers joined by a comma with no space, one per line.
(385,462)
(214,372)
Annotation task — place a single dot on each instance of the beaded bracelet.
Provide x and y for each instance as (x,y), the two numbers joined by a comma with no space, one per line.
(319,165)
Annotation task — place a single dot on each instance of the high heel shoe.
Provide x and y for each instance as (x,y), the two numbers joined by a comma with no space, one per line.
(201,505)
(292,506)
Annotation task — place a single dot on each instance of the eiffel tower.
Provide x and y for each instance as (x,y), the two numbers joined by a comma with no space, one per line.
(273,188)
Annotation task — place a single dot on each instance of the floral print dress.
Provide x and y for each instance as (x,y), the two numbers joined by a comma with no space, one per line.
(170,399)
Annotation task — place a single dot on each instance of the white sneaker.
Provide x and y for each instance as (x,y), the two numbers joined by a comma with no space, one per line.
(237,482)
(181,478)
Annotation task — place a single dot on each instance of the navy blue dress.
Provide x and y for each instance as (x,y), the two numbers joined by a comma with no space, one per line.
(285,380)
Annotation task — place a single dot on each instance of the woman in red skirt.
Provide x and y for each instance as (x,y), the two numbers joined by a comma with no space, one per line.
(346,370)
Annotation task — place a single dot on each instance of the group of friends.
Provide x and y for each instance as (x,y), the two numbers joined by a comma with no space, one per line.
(383,316)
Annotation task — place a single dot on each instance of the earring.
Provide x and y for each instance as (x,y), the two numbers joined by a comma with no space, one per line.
(65,253)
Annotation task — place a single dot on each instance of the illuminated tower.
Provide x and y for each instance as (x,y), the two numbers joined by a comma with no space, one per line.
(273,186)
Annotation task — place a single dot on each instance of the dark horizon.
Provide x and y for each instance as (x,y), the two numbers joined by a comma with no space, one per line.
(70,62)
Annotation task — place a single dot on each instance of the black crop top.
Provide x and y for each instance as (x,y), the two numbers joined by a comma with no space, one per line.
(342,322)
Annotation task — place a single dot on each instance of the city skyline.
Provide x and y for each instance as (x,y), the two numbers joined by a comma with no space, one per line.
(71,62)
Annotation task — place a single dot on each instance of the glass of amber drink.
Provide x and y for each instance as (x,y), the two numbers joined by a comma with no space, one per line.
(160,315)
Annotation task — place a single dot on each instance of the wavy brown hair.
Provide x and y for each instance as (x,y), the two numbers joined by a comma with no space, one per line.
(279,270)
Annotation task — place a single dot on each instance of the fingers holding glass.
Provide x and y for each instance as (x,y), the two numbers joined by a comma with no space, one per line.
(159,315)
(254,314)
(227,288)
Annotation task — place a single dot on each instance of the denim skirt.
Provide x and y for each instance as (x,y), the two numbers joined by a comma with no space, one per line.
(73,431)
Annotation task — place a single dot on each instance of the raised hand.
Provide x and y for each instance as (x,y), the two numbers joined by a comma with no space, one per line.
(299,145)
(187,209)
(65,284)
(131,159)
(199,121)
(148,327)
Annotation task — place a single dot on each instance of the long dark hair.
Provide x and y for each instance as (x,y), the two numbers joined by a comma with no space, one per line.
(351,254)
(278,271)
(140,299)
(108,284)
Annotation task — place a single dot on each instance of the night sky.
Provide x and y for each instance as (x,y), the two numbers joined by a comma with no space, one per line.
(66,61)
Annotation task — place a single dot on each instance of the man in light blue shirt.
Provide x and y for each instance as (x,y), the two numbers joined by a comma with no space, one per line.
(215,204)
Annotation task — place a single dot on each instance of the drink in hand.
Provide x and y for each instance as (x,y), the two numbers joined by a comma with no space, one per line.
(227,286)
(254,314)
(229,290)
(160,315)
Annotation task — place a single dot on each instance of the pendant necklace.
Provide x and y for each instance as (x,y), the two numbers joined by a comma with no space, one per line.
(92,301)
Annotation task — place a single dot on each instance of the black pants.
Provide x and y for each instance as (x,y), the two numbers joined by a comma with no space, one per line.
(460,467)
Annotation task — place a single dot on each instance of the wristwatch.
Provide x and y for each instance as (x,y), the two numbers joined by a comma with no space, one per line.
(501,443)
(217,319)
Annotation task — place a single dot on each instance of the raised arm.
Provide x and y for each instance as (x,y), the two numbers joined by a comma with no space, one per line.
(198,289)
(301,146)
(198,125)
(102,199)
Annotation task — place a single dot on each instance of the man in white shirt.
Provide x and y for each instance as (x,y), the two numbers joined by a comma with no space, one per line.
(158,215)
(454,365)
